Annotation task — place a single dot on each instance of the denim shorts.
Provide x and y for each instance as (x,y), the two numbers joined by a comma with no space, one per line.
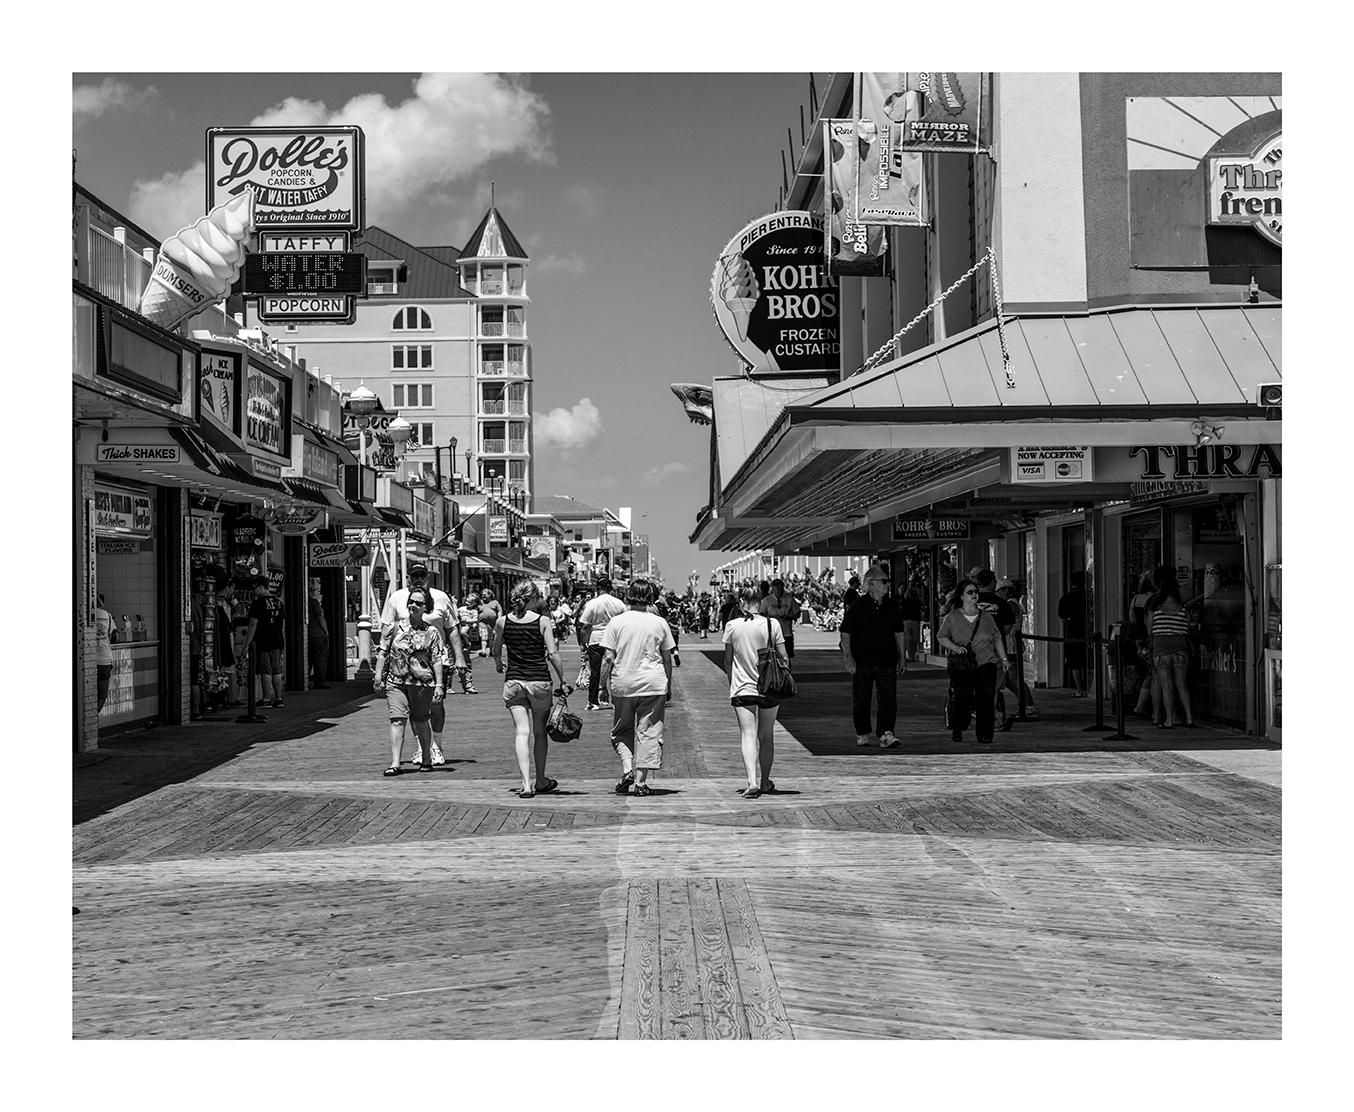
(532,694)
(1171,659)
(413,703)
(753,701)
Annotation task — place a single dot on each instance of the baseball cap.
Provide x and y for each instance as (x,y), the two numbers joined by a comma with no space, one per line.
(1004,583)
(418,569)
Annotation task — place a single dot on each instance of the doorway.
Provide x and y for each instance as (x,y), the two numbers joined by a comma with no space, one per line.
(1074,655)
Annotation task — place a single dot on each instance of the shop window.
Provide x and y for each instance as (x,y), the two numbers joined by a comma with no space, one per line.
(412,395)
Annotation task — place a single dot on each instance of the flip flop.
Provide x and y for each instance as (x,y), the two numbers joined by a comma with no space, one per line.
(425,768)
(526,795)
(751,793)
(549,786)
(393,770)
(623,784)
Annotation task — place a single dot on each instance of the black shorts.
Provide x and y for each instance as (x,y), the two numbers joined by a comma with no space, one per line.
(753,701)
(789,648)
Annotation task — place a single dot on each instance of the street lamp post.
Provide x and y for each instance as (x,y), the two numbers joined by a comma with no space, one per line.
(399,430)
(362,404)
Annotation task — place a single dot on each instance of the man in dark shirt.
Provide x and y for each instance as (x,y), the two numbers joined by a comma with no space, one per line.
(1005,614)
(873,650)
(317,635)
(852,593)
(266,621)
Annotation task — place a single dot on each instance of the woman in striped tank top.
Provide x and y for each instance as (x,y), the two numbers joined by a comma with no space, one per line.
(528,640)
(1168,624)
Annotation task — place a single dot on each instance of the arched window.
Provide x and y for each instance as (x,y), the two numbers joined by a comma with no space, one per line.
(413,319)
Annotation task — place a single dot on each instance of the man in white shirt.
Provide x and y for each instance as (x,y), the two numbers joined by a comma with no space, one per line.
(637,670)
(592,624)
(441,617)
(783,606)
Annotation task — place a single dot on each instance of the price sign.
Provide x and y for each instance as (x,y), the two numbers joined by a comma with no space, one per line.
(333,273)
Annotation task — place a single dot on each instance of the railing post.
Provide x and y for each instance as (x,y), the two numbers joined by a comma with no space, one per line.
(250,714)
(1119,734)
(1097,644)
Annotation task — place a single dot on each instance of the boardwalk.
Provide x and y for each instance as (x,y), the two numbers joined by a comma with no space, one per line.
(1055,885)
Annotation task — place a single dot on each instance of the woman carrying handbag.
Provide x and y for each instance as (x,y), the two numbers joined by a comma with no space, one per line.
(977,659)
(751,644)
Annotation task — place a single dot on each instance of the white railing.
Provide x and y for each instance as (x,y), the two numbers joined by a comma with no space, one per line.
(491,328)
(493,447)
(115,270)
(374,288)
(514,329)
(518,369)
(517,409)
(491,289)
(489,405)
(515,288)
(491,367)
(517,447)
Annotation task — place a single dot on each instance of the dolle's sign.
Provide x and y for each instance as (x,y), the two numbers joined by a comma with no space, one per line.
(1249,190)
(338,555)
(300,177)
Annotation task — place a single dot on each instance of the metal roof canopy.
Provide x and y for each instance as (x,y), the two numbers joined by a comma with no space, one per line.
(931,426)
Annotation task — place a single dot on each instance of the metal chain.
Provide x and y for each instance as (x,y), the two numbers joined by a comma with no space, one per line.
(989,257)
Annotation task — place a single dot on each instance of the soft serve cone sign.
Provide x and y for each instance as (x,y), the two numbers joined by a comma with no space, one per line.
(198,264)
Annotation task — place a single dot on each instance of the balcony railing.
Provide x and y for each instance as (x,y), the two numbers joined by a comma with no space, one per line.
(515,288)
(491,366)
(514,329)
(489,405)
(115,270)
(374,288)
(518,447)
(517,409)
(491,289)
(491,328)
(493,447)
(518,369)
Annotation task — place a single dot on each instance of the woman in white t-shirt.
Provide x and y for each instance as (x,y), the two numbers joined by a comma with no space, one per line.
(745,635)
(637,671)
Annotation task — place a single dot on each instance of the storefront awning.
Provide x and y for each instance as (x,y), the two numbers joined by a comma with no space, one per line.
(317,493)
(482,561)
(936,422)
(394,518)
(362,513)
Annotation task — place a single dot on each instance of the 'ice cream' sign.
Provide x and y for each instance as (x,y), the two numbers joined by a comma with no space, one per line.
(299,177)
(773,297)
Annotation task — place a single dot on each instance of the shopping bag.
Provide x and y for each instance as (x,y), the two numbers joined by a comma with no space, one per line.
(563,725)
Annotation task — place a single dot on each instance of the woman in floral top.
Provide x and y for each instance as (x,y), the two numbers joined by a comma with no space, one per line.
(409,668)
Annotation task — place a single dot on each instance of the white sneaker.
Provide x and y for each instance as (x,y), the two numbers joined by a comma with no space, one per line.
(886,741)
(437,757)
(864,741)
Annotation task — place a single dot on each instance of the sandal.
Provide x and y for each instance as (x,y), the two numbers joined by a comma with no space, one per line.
(393,770)
(527,794)
(768,787)
(549,786)
(751,793)
(623,784)
(643,789)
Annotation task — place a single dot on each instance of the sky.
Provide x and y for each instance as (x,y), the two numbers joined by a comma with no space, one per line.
(623,188)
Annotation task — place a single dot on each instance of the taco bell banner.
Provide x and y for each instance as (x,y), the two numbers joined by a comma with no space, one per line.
(949,112)
(852,247)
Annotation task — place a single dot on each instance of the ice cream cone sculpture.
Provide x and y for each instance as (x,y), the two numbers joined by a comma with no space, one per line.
(198,264)
(738,291)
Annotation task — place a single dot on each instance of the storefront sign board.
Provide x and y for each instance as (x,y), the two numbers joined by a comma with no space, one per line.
(1162,490)
(307,308)
(265,469)
(137,453)
(301,273)
(118,511)
(301,178)
(1189,461)
(305,241)
(91,562)
(423,517)
(219,381)
(498,529)
(930,528)
(1249,190)
(317,463)
(205,531)
(275,579)
(338,555)
(1052,465)
(773,297)
(267,413)
(297,523)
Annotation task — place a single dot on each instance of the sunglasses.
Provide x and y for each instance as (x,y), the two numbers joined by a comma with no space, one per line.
(970,591)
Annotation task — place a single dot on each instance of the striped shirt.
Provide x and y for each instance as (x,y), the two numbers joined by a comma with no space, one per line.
(524,643)
(1169,627)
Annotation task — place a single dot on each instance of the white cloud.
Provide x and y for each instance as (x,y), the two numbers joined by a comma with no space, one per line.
(657,476)
(452,125)
(569,428)
(565,264)
(583,198)
(88,102)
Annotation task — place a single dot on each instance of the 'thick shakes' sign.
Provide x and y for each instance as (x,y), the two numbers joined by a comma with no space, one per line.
(773,297)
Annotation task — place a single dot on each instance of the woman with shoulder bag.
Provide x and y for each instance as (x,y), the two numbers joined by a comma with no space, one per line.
(1168,623)
(528,639)
(977,658)
(746,636)
(410,666)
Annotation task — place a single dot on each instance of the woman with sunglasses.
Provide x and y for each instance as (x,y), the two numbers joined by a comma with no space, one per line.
(970,629)
(409,669)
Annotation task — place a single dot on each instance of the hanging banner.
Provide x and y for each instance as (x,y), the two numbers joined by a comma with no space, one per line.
(204,531)
(852,247)
(338,555)
(773,297)
(949,112)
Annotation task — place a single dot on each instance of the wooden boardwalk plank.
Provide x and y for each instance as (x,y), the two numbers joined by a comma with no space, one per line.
(762,1005)
(679,1005)
(639,979)
(721,1006)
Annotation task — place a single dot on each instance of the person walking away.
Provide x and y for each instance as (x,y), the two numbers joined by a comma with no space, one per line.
(592,623)
(1168,623)
(873,650)
(745,636)
(784,607)
(469,614)
(667,609)
(637,648)
(103,650)
(1015,671)
(527,639)
(703,617)
(490,611)
(226,659)
(197,612)
(1149,696)
(267,633)
(317,636)
(440,615)
(852,594)
(1005,615)
(971,630)
(910,605)
(1072,612)
(410,669)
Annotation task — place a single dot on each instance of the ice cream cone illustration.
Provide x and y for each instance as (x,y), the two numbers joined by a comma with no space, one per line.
(738,291)
(198,264)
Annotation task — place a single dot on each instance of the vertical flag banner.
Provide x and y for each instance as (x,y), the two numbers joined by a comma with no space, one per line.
(852,247)
(949,112)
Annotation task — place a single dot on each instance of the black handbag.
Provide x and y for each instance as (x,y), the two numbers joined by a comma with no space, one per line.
(962,663)
(773,677)
(563,725)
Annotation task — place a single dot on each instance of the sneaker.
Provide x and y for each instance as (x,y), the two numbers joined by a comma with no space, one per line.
(437,757)
(864,741)
(604,705)
(470,691)
(888,741)
(591,706)
(278,703)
